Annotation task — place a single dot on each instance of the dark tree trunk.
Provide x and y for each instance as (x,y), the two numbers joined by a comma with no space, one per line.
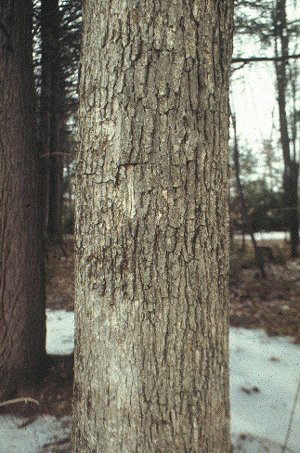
(22,290)
(45,99)
(55,230)
(51,118)
(290,183)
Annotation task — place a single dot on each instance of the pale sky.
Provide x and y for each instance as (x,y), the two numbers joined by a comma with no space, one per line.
(253,97)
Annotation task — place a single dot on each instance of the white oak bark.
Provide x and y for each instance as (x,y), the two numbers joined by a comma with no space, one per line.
(151,355)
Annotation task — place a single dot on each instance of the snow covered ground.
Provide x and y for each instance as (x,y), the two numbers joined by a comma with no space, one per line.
(60,332)
(264,375)
(32,438)
(267,236)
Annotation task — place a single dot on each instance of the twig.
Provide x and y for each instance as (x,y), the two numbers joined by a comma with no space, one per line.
(58,442)
(2,27)
(27,422)
(19,400)
(57,153)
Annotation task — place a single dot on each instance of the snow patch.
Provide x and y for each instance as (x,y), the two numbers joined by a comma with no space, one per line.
(60,332)
(30,439)
(264,373)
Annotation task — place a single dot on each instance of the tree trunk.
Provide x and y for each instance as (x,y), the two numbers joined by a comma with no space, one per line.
(45,99)
(22,291)
(151,354)
(291,167)
(55,230)
(247,225)
(51,118)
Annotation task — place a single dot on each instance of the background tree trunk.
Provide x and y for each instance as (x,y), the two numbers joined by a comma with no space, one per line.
(247,225)
(52,118)
(22,292)
(151,354)
(45,100)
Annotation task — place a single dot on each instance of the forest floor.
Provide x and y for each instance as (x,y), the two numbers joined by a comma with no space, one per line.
(271,304)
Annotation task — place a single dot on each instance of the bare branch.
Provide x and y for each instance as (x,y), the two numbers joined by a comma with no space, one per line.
(19,400)
(254,59)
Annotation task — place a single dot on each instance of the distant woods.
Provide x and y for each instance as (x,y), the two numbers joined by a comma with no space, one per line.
(39,54)
(272,196)
(57,40)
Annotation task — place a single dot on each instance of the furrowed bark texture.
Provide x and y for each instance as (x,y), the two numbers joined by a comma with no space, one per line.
(151,354)
(22,291)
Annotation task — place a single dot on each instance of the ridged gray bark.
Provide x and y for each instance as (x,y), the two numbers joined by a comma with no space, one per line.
(151,355)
